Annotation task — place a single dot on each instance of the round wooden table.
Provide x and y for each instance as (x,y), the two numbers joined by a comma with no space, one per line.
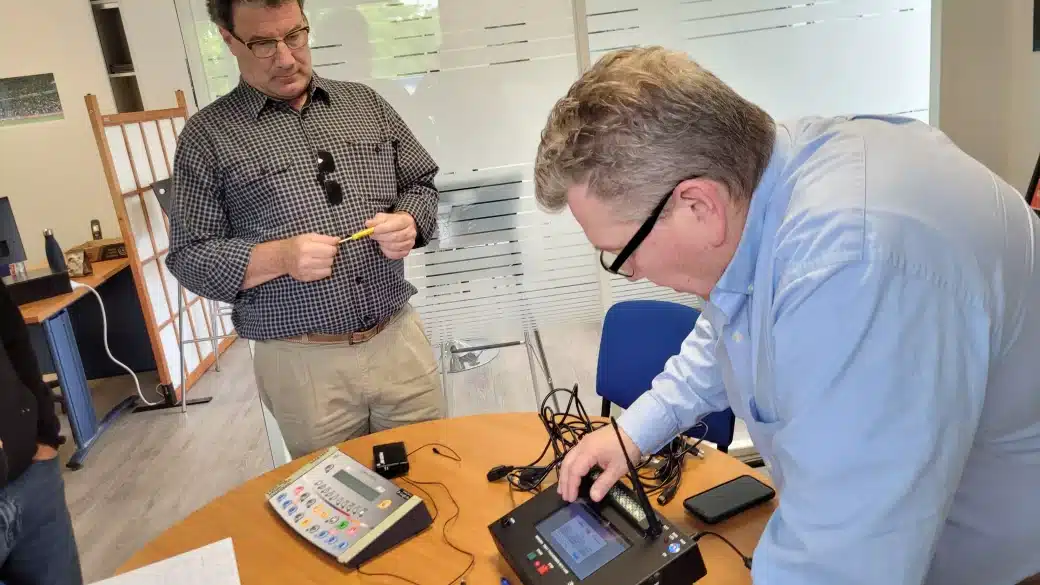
(269,552)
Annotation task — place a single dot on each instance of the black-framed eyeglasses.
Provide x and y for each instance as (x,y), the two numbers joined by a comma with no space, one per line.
(615,263)
(266,48)
(327,166)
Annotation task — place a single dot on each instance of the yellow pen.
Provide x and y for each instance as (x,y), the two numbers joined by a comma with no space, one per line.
(362,234)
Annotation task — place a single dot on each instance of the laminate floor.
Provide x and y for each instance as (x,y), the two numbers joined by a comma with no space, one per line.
(150,470)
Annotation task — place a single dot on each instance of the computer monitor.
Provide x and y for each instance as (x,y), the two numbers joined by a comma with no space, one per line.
(11,250)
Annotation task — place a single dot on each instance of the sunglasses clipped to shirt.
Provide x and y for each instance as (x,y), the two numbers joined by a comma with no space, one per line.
(327,166)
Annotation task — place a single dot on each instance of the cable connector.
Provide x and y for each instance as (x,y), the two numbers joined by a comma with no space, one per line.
(499,471)
(669,492)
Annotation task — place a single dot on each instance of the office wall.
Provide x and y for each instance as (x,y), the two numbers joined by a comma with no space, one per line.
(990,84)
(50,170)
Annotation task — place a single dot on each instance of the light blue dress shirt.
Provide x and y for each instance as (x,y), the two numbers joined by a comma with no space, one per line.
(879,331)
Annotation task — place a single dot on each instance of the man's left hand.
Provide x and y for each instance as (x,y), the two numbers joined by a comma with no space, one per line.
(45,453)
(395,233)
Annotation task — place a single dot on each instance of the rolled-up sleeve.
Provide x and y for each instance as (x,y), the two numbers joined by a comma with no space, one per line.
(416,171)
(689,388)
(204,255)
(880,375)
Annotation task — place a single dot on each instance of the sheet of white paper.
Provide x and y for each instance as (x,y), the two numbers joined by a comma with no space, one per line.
(213,564)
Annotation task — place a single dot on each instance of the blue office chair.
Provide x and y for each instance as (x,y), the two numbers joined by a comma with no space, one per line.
(638,338)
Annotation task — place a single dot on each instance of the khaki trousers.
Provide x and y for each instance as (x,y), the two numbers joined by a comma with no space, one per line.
(324,393)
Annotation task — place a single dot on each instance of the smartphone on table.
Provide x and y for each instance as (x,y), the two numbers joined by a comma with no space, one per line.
(728,499)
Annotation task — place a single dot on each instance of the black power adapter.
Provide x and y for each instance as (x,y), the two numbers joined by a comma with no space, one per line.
(390,460)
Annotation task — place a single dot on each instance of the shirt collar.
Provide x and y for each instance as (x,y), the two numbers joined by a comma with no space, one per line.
(256,101)
(737,280)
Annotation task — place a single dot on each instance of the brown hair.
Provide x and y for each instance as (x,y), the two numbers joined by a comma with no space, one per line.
(642,120)
(220,10)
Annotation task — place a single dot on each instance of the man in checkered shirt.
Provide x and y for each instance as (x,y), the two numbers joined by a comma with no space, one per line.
(267,181)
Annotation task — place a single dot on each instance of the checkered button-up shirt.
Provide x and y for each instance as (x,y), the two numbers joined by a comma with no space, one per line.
(246,172)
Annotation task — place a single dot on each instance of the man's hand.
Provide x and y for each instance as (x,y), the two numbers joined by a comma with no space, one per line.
(395,233)
(600,448)
(309,257)
(45,453)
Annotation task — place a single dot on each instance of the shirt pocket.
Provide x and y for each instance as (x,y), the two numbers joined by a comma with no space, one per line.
(367,169)
(256,191)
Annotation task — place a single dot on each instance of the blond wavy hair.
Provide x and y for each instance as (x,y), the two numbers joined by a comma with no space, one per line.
(642,120)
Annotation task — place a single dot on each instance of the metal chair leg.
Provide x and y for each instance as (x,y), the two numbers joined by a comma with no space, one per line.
(213,333)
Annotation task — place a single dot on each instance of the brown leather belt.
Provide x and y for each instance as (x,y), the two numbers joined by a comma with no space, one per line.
(351,338)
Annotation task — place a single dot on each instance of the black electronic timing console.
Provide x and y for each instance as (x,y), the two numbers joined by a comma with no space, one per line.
(620,540)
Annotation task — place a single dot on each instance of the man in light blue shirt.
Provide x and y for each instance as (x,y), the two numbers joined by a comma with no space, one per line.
(873,314)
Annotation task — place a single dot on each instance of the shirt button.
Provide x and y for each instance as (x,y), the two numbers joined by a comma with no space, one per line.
(751,288)
(738,337)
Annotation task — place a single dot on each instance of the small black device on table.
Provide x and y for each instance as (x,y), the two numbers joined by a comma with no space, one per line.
(726,500)
(620,540)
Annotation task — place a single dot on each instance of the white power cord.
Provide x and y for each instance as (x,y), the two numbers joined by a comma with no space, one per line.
(104,326)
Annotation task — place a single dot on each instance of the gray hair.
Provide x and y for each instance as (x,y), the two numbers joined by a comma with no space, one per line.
(220,10)
(642,120)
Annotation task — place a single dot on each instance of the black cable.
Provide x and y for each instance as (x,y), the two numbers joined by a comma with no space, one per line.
(444,527)
(452,454)
(564,429)
(660,475)
(745,559)
(436,512)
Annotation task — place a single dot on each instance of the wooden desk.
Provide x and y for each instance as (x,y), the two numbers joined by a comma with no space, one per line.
(269,552)
(39,311)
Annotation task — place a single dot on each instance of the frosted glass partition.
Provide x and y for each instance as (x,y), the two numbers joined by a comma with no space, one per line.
(500,261)
(475,80)
(792,58)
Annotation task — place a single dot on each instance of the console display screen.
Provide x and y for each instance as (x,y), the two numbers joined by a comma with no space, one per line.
(360,488)
(581,540)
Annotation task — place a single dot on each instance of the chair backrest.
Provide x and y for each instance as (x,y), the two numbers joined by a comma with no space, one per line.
(637,340)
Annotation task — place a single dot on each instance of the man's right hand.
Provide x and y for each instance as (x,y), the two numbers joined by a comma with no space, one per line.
(601,448)
(309,257)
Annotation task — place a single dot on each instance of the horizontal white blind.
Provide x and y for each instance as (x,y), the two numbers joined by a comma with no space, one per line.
(499,260)
(828,57)
(622,289)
